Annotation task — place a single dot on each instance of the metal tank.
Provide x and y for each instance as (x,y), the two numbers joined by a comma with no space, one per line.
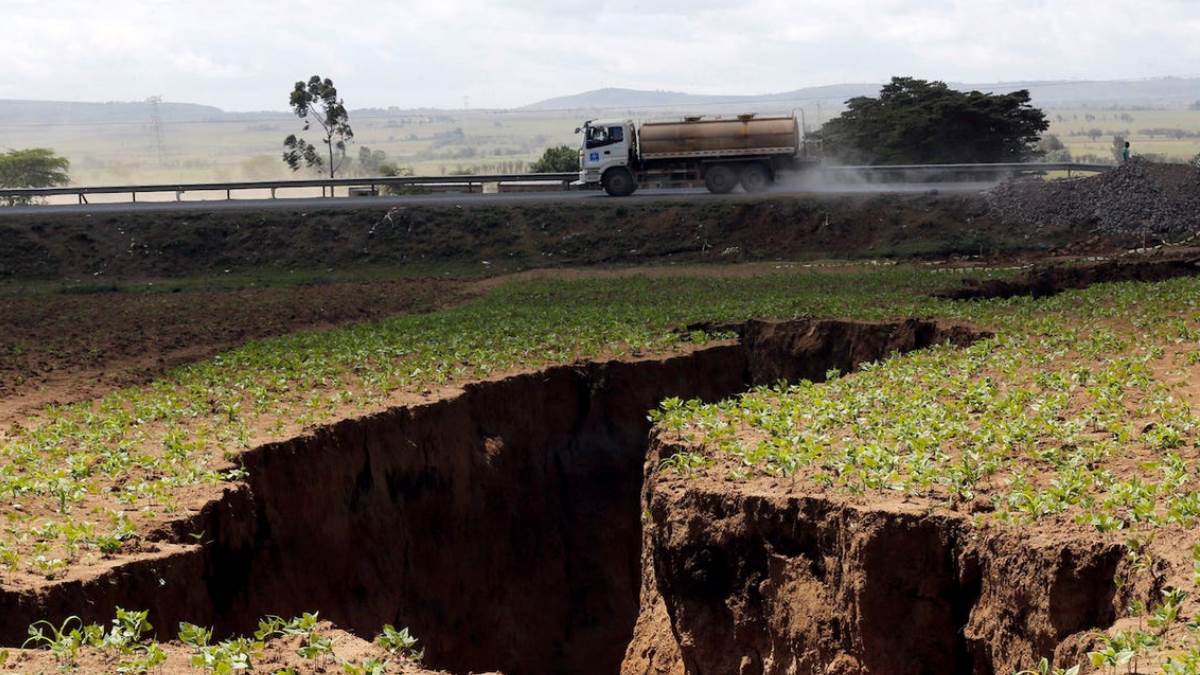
(719,137)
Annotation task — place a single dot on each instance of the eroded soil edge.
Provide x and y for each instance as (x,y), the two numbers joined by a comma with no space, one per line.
(749,582)
(504,526)
(1045,281)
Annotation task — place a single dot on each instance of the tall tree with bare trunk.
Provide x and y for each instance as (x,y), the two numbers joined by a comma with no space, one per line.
(317,101)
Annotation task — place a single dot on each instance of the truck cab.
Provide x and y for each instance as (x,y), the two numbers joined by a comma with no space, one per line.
(609,148)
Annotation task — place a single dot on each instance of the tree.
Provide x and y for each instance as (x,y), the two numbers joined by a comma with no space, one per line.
(1053,149)
(32,168)
(561,159)
(921,122)
(317,100)
(370,162)
(1118,148)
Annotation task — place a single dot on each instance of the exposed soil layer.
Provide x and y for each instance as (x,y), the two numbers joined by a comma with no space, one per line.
(502,525)
(58,348)
(510,237)
(1051,280)
(754,580)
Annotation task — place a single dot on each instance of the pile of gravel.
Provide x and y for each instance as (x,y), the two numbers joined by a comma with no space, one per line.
(1139,198)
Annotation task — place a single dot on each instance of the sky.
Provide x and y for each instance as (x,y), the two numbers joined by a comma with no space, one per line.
(246,55)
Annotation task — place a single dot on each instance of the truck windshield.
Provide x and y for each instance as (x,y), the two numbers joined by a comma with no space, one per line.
(596,136)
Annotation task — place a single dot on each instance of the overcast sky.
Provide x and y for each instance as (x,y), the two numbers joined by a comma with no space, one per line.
(245,55)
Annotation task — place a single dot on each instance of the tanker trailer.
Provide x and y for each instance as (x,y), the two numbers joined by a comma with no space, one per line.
(721,153)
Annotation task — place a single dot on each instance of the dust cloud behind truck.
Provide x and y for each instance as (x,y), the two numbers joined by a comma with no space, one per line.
(722,152)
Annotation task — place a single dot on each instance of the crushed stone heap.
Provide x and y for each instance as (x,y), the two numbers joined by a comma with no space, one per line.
(1139,198)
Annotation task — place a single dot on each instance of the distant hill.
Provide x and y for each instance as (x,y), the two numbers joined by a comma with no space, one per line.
(1166,92)
(635,99)
(1157,92)
(66,112)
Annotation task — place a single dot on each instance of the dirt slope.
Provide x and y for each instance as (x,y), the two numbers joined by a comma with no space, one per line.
(506,238)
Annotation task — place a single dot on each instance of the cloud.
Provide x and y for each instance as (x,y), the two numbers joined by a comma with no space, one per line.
(245,55)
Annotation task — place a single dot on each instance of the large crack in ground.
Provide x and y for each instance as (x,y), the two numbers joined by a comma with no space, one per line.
(504,525)
(1043,282)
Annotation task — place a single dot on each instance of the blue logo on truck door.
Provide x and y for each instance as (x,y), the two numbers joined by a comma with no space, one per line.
(594,157)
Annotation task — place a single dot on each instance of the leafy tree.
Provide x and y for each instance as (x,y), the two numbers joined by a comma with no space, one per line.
(1053,149)
(1118,148)
(317,100)
(559,159)
(370,162)
(32,168)
(916,121)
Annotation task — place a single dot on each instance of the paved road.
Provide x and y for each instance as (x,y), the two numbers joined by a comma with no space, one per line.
(311,203)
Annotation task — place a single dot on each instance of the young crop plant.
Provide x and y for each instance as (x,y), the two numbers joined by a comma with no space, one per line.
(400,642)
(1044,668)
(129,638)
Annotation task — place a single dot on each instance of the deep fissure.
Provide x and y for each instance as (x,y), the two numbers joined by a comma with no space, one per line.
(1051,280)
(504,525)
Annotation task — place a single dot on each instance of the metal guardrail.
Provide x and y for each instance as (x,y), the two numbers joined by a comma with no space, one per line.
(1010,167)
(562,180)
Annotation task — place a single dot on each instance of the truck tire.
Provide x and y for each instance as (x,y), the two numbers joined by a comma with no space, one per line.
(755,178)
(619,182)
(720,179)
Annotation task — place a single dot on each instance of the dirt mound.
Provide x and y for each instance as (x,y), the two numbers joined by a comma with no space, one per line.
(1138,199)
(1043,282)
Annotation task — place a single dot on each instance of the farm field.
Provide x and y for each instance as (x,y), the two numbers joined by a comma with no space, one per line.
(992,430)
(1169,135)
(428,143)
(443,142)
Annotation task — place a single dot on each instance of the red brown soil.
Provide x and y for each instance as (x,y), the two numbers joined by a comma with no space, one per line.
(510,527)
(502,524)
(754,578)
(59,348)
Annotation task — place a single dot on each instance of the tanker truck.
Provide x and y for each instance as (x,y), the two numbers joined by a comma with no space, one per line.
(722,153)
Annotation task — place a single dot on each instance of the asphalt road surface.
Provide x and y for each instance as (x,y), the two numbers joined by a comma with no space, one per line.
(581,197)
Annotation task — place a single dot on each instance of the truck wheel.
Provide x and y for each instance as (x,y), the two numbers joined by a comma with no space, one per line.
(720,179)
(755,178)
(619,182)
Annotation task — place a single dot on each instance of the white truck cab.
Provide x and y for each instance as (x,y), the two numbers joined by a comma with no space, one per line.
(608,145)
